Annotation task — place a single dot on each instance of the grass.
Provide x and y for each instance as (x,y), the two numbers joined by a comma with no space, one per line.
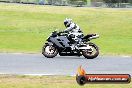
(24,28)
(50,82)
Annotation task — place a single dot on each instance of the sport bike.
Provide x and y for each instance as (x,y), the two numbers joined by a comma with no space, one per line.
(64,44)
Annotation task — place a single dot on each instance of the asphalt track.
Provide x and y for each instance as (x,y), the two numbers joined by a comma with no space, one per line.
(37,64)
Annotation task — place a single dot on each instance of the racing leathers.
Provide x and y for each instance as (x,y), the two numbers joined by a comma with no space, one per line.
(74,29)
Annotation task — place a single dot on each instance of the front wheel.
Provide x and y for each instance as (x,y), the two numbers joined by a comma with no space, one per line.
(91,53)
(49,51)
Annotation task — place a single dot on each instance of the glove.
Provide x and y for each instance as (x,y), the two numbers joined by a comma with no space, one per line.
(61,32)
(65,31)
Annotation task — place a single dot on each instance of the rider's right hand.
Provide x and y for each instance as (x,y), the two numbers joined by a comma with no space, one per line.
(61,32)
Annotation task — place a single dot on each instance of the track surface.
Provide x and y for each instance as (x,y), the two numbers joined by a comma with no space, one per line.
(37,64)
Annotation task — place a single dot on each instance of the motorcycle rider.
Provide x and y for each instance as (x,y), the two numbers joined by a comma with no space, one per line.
(74,30)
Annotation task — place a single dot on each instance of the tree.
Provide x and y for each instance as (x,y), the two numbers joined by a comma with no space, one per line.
(78,2)
(114,3)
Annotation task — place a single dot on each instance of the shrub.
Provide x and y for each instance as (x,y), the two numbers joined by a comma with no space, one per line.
(78,2)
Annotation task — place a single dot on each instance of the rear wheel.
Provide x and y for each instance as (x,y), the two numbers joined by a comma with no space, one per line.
(91,53)
(49,51)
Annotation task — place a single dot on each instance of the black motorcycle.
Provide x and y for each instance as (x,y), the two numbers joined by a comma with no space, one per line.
(64,45)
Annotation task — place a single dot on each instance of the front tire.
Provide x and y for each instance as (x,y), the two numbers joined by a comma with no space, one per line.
(91,54)
(49,51)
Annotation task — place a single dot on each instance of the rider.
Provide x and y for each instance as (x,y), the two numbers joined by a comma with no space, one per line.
(73,29)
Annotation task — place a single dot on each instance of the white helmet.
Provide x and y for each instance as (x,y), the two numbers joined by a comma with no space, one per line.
(67,22)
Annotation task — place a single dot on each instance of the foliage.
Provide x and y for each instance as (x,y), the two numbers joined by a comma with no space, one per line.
(78,2)
(115,1)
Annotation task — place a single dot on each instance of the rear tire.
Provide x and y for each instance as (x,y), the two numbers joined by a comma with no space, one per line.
(90,55)
(49,51)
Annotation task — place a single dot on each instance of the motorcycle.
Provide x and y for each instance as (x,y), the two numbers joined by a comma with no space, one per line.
(63,44)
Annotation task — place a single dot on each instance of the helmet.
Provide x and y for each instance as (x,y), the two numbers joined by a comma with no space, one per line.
(67,22)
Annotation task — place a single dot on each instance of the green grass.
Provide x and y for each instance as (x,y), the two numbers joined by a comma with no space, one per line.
(50,82)
(24,28)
